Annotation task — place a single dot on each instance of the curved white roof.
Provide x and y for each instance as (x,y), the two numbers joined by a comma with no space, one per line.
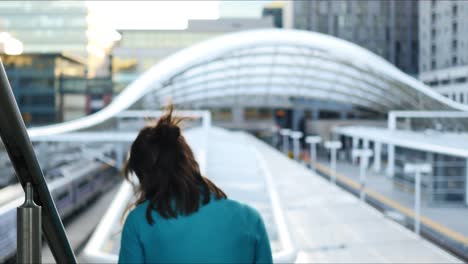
(265,66)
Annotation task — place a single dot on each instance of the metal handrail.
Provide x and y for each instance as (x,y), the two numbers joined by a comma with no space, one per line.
(19,148)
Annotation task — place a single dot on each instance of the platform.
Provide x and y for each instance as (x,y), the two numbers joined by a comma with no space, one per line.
(445,224)
(324,222)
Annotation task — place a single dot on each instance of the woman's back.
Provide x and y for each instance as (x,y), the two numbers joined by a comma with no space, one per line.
(180,215)
(222,231)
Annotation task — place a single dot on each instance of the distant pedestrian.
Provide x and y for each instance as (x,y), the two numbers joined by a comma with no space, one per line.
(181,216)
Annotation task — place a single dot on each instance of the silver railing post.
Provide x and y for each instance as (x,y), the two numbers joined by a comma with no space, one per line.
(296,136)
(333,146)
(284,132)
(417,169)
(313,141)
(28,228)
(19,148)
(274,138)
(363,155)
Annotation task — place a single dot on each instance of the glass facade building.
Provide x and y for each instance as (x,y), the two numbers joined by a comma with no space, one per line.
(36,81)
(387,28)
(443,47)
(68,27)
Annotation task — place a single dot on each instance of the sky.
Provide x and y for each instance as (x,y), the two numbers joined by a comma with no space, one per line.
(170,14)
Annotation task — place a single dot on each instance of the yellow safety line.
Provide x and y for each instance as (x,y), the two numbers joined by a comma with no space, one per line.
(391,203)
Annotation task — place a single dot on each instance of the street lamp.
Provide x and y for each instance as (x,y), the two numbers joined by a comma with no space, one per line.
(417,169)
(296,135)
(10,45)
(363,155)
(333,146)
(285,133)
(313,141)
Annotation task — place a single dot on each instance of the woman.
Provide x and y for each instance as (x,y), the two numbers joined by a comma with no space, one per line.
(181,216)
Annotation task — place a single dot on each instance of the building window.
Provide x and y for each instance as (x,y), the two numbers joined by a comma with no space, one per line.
(348,8)
(445,81)
(433,49)
(454,44)
(454,9)
(433,33)
(454,97)
(454,27)
(323,24)
(462,98)
(454,60)
(433,64)
(460,80)
(433,18)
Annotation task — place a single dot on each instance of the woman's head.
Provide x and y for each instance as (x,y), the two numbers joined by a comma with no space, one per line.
(167,171)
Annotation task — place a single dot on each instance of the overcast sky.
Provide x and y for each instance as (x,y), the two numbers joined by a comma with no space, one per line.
(170,14)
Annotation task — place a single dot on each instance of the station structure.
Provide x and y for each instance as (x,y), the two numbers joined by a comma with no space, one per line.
(275,68)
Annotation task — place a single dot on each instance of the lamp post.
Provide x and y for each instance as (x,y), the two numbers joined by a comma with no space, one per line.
(296,136)
(363,155)
(284,132)
(417,169)
(313,141)
(333,146)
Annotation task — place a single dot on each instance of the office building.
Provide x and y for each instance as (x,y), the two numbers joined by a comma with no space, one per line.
(275,10)
(138,50)
(443,47)
(387,28)
(68,27)
(36,82)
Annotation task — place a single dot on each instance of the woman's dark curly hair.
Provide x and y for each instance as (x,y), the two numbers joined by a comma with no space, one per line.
(169,176)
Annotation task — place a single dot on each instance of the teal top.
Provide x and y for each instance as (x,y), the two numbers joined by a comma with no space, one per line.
(222,231)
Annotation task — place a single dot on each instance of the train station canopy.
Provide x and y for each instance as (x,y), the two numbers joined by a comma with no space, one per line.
(267,68)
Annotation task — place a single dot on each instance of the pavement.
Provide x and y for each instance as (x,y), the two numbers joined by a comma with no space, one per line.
(233,166)
(328,224)
(453,217)
(325,223)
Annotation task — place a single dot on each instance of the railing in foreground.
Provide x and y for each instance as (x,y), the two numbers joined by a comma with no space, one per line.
(19,148)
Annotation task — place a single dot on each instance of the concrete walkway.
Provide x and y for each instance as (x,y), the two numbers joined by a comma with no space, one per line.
(330,225)
(453,217)
(233,166)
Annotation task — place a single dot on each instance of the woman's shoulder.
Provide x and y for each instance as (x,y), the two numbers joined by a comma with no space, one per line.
(237,207)
(138,212)
(225,206)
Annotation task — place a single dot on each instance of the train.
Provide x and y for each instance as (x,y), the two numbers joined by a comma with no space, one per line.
(72,184)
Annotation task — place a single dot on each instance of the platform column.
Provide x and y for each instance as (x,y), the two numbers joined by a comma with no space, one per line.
(365,143)
(119,155)
(355,146)
(391,161)
(238,115)
(466,182)
(377,156)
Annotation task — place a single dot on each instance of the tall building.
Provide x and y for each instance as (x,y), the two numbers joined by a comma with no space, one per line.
(36,80)
(388,28)
(275,10)
(444,47)
(138,50)
(67,27)
(65,50)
